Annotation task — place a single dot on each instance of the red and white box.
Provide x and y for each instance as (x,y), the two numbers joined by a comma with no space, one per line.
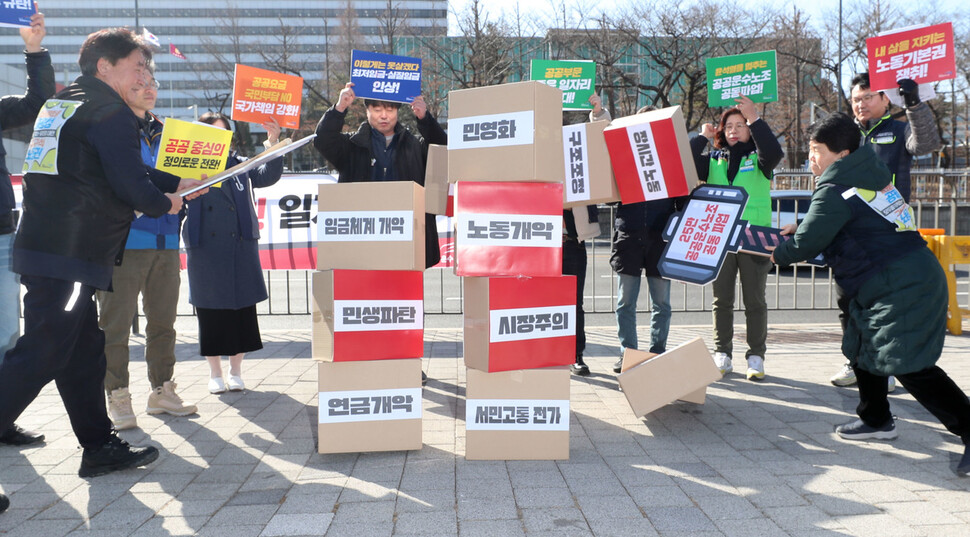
(508,229)
(519,323)
(367,315)
(651,157)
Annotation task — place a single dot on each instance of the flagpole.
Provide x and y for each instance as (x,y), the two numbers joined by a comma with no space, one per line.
(136,16)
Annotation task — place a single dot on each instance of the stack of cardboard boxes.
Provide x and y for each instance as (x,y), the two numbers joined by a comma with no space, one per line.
(368,316)
(505,158)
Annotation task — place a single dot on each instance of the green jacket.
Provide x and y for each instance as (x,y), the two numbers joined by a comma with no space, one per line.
(897,311)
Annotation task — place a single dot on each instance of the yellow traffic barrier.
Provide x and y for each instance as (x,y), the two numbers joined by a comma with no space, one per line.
(953,250)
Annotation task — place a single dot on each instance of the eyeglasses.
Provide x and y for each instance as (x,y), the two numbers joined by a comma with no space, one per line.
(867,98)
(151,83)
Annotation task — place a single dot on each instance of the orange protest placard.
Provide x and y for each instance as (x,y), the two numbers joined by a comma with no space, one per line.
(258,95)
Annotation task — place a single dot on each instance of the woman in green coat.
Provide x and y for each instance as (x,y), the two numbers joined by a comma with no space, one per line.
(897,289)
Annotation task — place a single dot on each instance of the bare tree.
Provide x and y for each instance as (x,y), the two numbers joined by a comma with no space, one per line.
(393,22)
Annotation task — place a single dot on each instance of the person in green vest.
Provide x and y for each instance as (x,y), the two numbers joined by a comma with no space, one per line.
(745,153)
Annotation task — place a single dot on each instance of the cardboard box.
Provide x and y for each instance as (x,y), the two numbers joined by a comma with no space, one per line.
(436,180)
(650,154)
(508,132)
(361,315)
(371,226)
(517,415)
(519,323)
(650,381)
(589,176)
(508,229)
(369,406)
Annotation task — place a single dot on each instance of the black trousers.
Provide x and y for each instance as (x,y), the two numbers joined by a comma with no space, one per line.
(931,387)
(574,264)
(61,342)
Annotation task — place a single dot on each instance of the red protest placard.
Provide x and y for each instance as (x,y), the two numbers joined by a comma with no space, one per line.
(258,95)
(923,54)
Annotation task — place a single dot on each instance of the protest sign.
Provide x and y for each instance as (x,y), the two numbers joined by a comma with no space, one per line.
(576,79)
(189,149)
(385,77)
(258,95)
(730,77)
(923,54)
(699,237)
(41,156)
(16,13)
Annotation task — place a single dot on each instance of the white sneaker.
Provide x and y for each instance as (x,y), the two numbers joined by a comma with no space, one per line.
(845,376)
(236,383)
(164,400)
(119,408)
(756,367)
(217,385)
(723,362)
(891,387)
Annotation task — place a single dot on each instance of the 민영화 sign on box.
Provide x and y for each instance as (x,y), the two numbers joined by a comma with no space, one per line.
(517,415)
(509,132)
(924,55)
(650,381)
(192,149)
(367,315)
(369,406)
(371,226)
(589,176)
(508,229)
(699,237)
(519,323)
(575,78)
(385,77)
(258,94)
(650,154)
(754,74)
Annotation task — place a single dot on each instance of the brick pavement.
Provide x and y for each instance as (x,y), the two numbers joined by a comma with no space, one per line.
(756,459)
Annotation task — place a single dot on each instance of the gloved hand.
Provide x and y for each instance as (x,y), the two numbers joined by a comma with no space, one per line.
(909,91)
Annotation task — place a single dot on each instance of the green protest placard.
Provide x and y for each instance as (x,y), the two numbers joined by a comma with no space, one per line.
(730,77)
(575,78)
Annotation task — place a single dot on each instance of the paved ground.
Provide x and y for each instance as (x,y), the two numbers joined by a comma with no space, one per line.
(756,459)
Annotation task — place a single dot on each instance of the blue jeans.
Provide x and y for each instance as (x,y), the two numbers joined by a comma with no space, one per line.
(626,311)
(9,297)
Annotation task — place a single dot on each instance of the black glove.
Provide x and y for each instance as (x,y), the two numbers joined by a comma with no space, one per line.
(909,91)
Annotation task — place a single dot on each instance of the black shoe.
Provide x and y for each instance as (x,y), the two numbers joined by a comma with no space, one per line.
(18,436)
(114,455)
(618,366)
(424,378)
(4,503)
(579,368)
(963,467)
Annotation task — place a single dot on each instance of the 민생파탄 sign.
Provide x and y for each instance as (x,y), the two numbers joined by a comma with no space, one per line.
(16,13)
(730,77)
(576,79)
(385,77)
(258,95)
(923,54)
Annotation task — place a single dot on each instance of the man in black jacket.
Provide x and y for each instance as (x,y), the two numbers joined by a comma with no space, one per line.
(16,111)
(382,149)
(84,178)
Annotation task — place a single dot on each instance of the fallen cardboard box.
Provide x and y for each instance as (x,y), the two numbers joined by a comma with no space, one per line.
(517,415)
(507,132)
(369,406)
(650,381)
(371,226)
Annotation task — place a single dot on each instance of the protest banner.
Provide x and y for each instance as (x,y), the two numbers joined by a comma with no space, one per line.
(258,94)
(41,156)
(385,77)
(923,54)
(189,149)
(699,237)
(16,13)
(575,78)
(754,74)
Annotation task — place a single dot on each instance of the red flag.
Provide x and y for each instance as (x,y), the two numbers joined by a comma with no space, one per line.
(174,51)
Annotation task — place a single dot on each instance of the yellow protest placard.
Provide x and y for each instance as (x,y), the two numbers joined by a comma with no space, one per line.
(190,149)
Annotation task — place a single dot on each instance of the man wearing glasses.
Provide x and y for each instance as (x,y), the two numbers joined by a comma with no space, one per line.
(150,267)
(895,143)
